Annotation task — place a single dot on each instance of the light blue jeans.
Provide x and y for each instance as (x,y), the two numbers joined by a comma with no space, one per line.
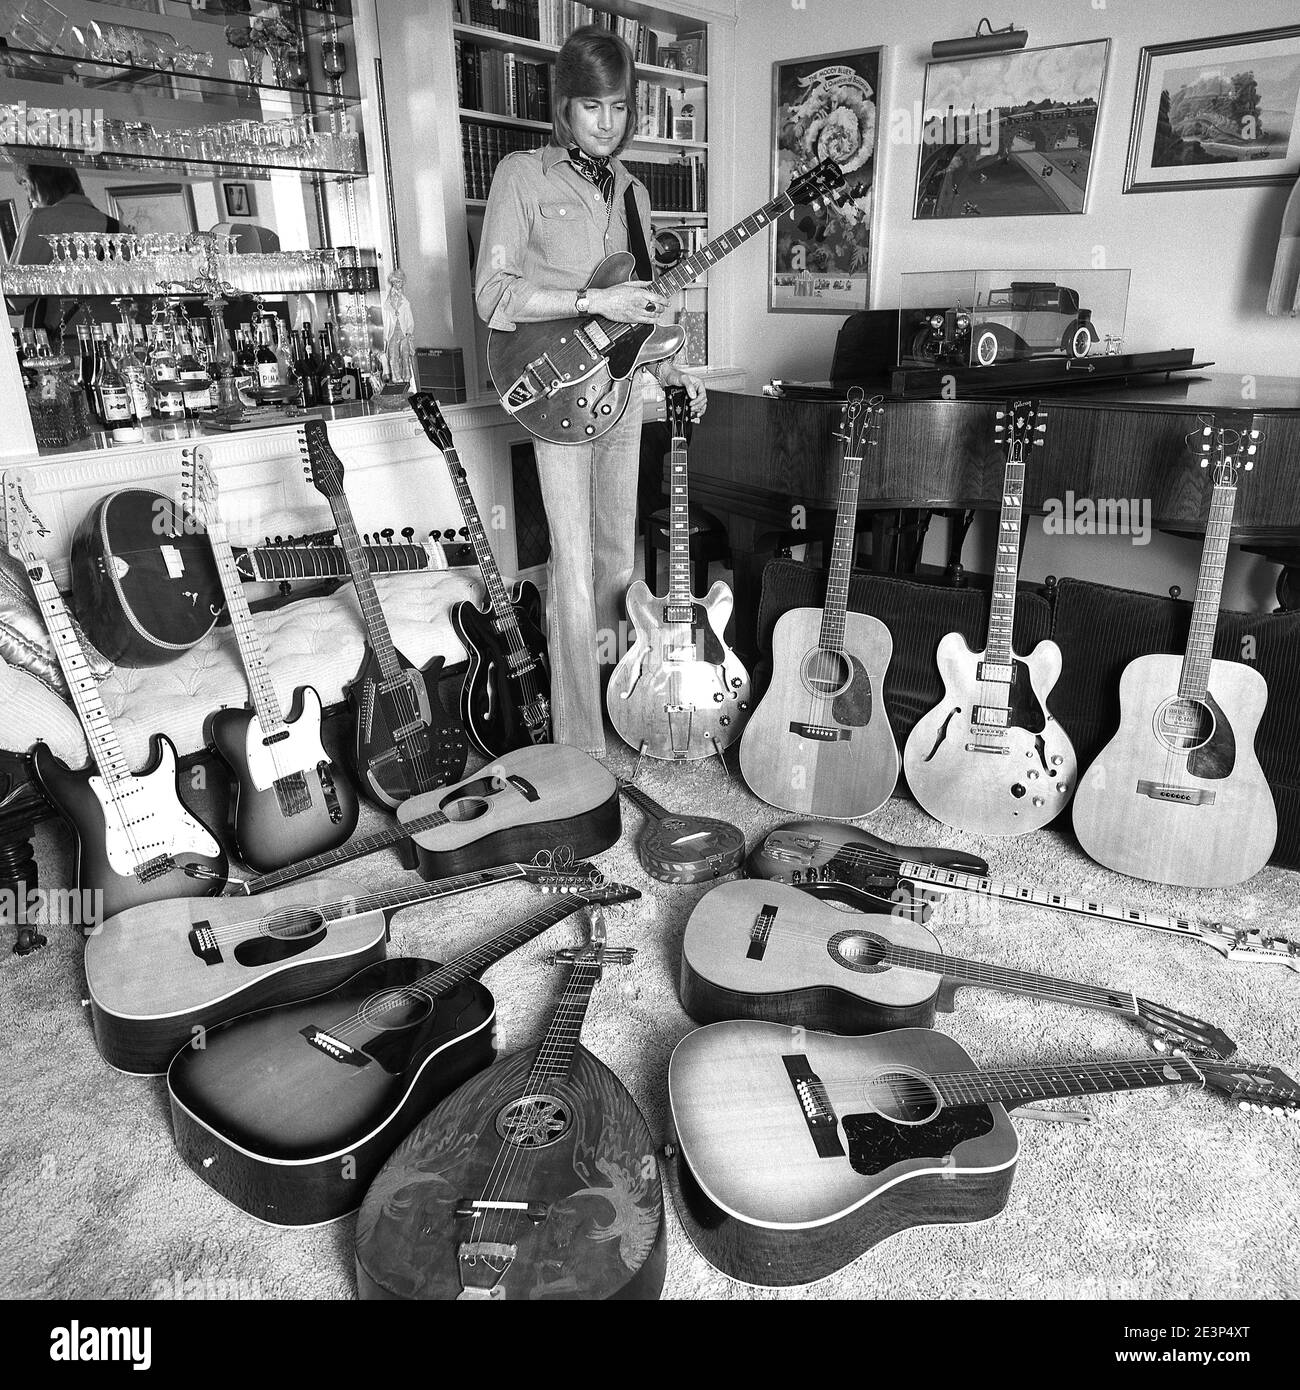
(589,491)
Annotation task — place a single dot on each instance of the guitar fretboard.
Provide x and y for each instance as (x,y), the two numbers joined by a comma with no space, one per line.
(391,899)
(679,528)
(1006,566)
(689,267)
(555,1056)
(272,563)
(642,799)
(502,609)
(1194,679)
(251,651)
(1052,1083)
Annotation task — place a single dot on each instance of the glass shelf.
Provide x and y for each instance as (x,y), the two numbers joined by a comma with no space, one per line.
(194,168)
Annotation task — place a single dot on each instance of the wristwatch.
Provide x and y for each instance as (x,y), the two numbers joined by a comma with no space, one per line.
(582,304)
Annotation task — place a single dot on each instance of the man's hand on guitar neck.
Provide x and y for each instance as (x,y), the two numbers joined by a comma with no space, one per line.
(631,302)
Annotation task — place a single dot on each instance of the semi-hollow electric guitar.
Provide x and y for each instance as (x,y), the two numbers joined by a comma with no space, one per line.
(405,741)
(677,848)
(798,1151)
(568,380)
(820,741)
(536,1180)
(135,837)
(769,951)
(990,757)
(290,799)
(505,698)
(289,1112)
(679,692)
(1178,794)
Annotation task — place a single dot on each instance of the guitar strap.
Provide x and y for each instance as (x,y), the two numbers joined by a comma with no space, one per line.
(636,235)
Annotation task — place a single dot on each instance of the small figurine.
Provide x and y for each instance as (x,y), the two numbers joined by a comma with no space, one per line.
(399,329)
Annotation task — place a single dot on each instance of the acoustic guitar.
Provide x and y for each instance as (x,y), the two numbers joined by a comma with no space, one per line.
(683,848)
(679,692)
(568,380)
(536,1180)
(1178,794)
(990,757)
(820,741)
(769,951)
(798,1151)
(289,1112)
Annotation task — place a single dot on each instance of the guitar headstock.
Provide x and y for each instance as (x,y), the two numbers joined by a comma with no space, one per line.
(597,951)
(1231,448)
(1252,945)
(24,529)
(429,414)
(678,412)
(199,491)
(824,182)
(860,422)
(1252,1088)
(322,466)
(1175,1032)
(1020,425)
(556,871)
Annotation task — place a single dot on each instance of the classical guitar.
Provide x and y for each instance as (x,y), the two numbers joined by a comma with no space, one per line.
(990,757)
(505,699)
(769,951)
(677,848)
(798,1151)
(536,1180)
(290,1111)
(290,800)
(1178,794)
(168,971)
(820,740)
(568,380)
(679,692)
(873,874)
(405,741)
(134,835)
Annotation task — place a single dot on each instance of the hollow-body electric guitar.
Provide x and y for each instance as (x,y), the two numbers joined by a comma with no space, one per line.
(990,757)
(134,835)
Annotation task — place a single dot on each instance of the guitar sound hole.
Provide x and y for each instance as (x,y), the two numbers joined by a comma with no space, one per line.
(826,673)
(470,808)
(904,1096)
(293,924)
(859,950)
(533,1122)
(1184,725)
(392,1009)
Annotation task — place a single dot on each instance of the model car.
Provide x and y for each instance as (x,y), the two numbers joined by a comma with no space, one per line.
(1030,318)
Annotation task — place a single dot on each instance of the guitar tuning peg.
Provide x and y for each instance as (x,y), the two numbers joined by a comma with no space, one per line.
(408,534)
(279,540)
(387,534)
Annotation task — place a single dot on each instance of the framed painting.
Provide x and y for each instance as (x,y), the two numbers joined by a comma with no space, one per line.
(153,207)
(239,201)
(827,107)
(1211,113)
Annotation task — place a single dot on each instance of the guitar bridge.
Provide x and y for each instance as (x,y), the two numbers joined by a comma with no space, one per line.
(820,733)
(334,1047)
(818,1113)
(154,868)
(1166,791)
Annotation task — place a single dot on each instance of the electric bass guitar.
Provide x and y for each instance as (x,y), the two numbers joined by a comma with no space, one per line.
(680,692)
(505,698)
(990,757)
(568,380)
(769,951)
(405,742)
(135,836)
(683,848)
(1178,794)
(289,1112)
(536,1180)
(290,800)
(798,1151)
(820,741)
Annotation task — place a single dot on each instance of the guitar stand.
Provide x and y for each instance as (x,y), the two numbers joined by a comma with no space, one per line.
(722,758)
(640,753)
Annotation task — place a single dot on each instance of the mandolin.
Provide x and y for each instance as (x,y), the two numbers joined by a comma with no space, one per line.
(871,872)
(990,757)
(505,698)
(679,692)
(798,1151)
(568,380)
(769,951)
(820,741)
(1178,794)
(289,1112)
(682,848)
(536,1180)
(135,836)
(405,741)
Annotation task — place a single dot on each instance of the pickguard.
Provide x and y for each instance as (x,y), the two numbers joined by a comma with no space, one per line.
(1217,758)
(852,707)
(1025,711)
(301,751)
(145,818)
(876,1143)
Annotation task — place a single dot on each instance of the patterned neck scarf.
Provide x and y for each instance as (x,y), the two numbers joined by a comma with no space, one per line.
(595,169)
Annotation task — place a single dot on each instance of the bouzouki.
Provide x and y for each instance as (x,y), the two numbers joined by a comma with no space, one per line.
(1178,794)
(536,1180)
(289,1112)
(875,874)
(679,692)
(990,757)
(568,380)
(405,741)
(820,741)
(290,800)
(769,951)
(505,698)
(798,1151)
(135,837)
(677,848)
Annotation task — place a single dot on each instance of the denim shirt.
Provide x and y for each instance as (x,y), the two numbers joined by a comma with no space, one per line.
(546,228)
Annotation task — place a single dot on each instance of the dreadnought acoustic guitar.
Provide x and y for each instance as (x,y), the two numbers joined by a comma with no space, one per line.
(568,380)
(290,799)
(680,692)
(769,951)
(1178,794)
(135,836)
(536,1180)
(820,741)
(798,1151)
(990,757)
(405,741)
(505,698)
(289,1112)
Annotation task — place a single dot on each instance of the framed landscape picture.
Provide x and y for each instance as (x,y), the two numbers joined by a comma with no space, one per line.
(1210,113)
(153,207)
(1010,134)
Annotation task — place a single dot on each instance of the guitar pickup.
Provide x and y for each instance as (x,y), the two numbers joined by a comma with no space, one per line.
(1166,791)
(819,1114)
(334,1047)
(820,733)
(991,716)
(995,671)
(685,652)
(203,942)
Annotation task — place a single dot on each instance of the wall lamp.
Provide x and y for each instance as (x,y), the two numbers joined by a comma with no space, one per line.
(994,41)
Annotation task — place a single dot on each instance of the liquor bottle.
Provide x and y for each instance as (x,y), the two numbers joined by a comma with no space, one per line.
(282,357)
(133,368)
(245,359)
(268,366)
(196,385)
(360,386)
(113,397)
(169,400)
(336,386)
(89,362)
(305,365)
